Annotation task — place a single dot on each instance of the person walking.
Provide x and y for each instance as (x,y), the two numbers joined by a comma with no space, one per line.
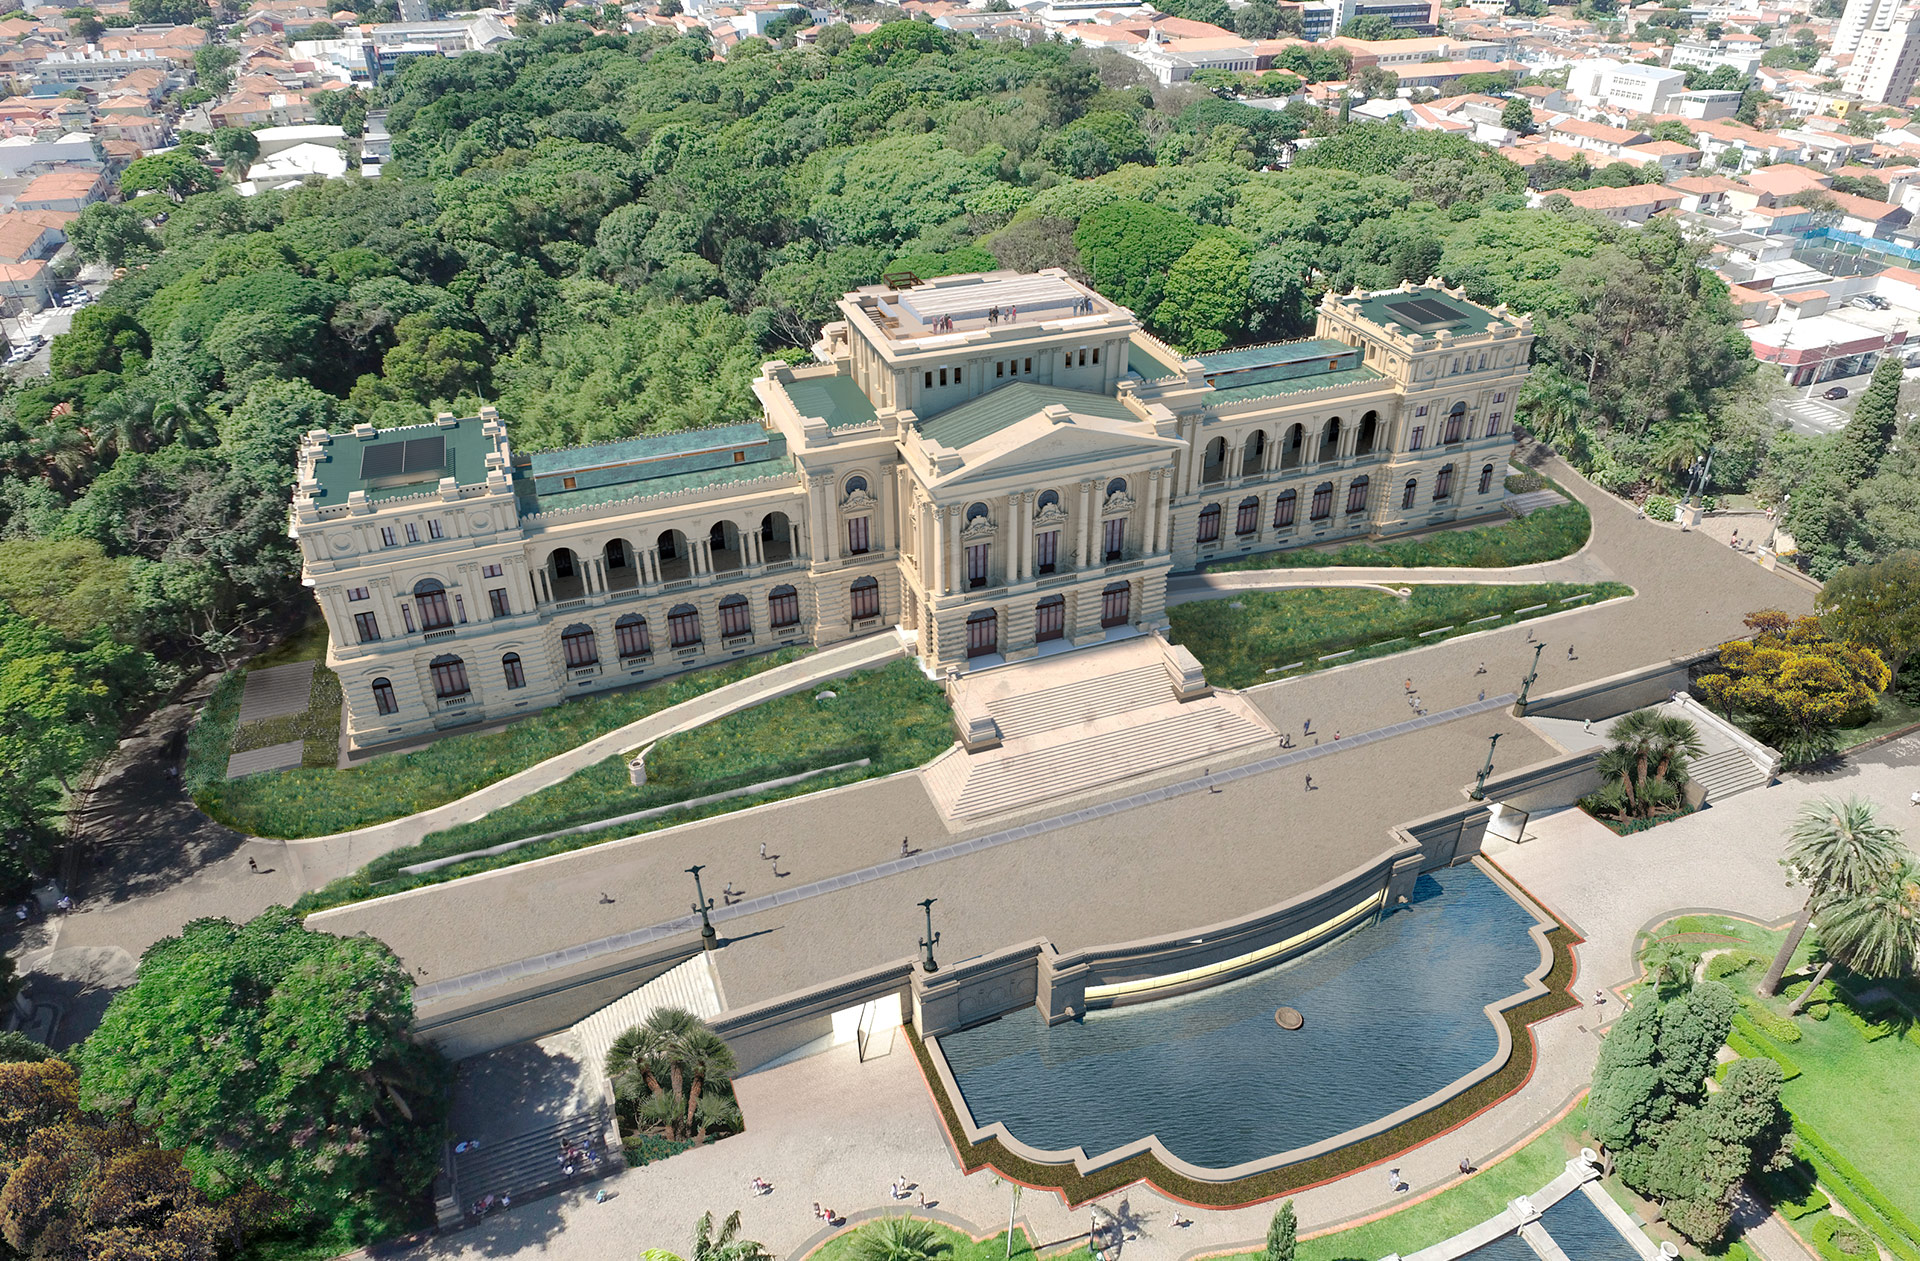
(1482,669)
(1309,783)
(1570,656)
(253,866)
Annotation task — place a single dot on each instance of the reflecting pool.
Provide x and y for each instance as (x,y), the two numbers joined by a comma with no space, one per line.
(1394,1013)
(1584,1233)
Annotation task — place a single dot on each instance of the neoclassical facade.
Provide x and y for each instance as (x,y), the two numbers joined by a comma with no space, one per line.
(1003,464)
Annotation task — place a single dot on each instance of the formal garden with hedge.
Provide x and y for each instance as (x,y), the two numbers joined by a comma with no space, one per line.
(870,724)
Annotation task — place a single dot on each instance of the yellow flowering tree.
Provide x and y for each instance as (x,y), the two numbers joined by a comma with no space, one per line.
(1795,682)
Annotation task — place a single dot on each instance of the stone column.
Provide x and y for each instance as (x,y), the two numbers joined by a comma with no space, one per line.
(1023,534)
(931,568)
(817,507)
(1150,525)
(1081,525)
(955,554)
(1189,458)
(650,566)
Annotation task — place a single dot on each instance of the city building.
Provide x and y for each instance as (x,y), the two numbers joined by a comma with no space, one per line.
(1604,83)
(1004,464)
(1888,56)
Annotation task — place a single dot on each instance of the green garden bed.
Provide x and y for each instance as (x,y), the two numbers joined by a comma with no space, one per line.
(894,716)
(1548,534)
(846,1245)
(1276,629)
(316,801)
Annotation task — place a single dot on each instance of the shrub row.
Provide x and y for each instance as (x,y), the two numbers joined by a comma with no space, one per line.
(1871,1030)
(1793,1192)
(1732,963)
(1770,1022)
(1848,1176)
(1850,1200)
(1548,534)
(1758,1044)
(1627,827)
(1839,1240)
(1079,1189)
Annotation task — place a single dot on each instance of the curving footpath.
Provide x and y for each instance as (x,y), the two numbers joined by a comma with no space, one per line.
(322,858)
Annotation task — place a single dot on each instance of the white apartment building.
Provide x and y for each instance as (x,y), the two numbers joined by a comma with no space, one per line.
(1887,56)
(1859,17)
(1713,56)
(1605,83)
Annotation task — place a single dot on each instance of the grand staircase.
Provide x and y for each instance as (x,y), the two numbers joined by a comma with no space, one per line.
(1725,773)
(688,985)
(1069,725)
(526,1166)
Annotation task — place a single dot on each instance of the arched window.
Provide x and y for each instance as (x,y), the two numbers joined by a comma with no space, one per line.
(630,637)
(1118,486)
(1247,519)
(1322,502)
(1253,456)
(1330,439)
(1209,530)
(1213,463)
(866,598)
(735,617)
(449,677)
(431,599)
(1048,499)
(1443,484)
(577,646)
(1116,604)
(1407,493)
(1291,445)
(1283,509)
(1050,619)
(383,699)
(1357,495)
(1486,478)
(683,626)
(976,512)
(1457,423)
(510,666)
(783,607)
(1369,434)
(855,485)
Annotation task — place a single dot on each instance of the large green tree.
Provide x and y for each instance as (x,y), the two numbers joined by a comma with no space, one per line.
(1877,605)
(1837,850)
(270,1054)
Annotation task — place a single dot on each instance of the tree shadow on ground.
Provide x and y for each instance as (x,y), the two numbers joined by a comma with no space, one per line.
(519,1088)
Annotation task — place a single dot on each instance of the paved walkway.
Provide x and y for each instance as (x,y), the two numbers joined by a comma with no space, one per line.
(317,860)
(831,1129)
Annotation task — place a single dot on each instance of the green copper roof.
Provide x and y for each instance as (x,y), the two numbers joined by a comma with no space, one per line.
(463,457)
(1291,385)
(985,416)
(532,501)
(1277,353)
(836,400)
(1424,312)
(646,447)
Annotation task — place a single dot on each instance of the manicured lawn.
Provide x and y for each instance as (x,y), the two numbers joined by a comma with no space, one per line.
(314,801)
(1548,534)
(1274,629)
(841,1246)
(894,716)
(309,643)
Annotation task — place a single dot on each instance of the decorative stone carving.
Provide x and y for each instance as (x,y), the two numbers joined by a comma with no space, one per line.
(1052,514)
(978,528)
(1119,501)
(859,501)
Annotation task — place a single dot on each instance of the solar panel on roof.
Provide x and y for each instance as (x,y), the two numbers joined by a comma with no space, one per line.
(1416,312)
(398,459)
(383,459)
(424,454)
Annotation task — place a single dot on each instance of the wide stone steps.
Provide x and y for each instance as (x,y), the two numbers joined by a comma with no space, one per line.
(528,1165)
(1164,736)
(1072,704)
(1726,773)
(687,985)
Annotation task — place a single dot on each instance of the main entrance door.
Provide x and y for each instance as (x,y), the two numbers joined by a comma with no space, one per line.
(983,633)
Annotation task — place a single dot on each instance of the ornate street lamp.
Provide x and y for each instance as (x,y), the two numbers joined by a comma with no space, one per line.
(702,903)
(1533,672)
(1480,784)
(931,940)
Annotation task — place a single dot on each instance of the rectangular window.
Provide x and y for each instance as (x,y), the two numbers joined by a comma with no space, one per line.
(413,532)
(1209,530)
(1420,410)
(1247,519)
(497,600)
(433,529)
(386,536)
(977,565)
(783,607)
(631,639)
(516,676)
(1493,423)
(866,600)
(734,620)
(929,380)
(367,626)
(433,610)
(943,376)
(1322,502)
(1499,397)
(1083,356)
(1419,437)
(999,367)
(1046,551)
(1029,367)
(956,376)
(1443,484)
(383,700)
(450,679)
(569,483)
(490,571)
(406,617)
(683,628)
(460,609)
(1283,511)
(857,536)
(579,648)
(356,594)
(1116,539)
(1096,354)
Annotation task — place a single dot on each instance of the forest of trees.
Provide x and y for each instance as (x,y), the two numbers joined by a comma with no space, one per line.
(605,234)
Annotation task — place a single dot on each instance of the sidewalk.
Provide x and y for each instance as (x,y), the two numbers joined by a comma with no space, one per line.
(318,859)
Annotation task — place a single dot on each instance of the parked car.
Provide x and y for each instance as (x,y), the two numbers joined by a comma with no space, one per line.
(1838,391)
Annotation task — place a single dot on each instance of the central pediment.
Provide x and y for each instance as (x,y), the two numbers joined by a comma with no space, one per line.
(1057,440)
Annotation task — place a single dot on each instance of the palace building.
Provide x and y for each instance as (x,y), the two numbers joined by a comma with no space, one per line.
(1002,464)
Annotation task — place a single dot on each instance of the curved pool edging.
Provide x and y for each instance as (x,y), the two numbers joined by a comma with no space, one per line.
(1081,1178)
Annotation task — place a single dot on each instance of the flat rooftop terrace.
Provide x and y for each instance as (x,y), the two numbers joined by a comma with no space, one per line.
(954,304)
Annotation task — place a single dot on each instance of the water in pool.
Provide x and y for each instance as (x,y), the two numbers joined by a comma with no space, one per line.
(1584,1233)
(1393,1012)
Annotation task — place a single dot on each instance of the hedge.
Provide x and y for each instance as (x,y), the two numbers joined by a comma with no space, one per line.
(1851,1201)
(1858,1181)
(1793,1192)
(1830,1231)
(1770,1022)
(1732,963)
(1871,1030)
(1758,1044)
(1078,1189)
(644,1149)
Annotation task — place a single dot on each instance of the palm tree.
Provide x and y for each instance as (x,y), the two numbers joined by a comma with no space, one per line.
(1678,443)
(1838,850)
(726,1246)
(900,1239)
(1648,759)
(1876,933)
(669,1063)
(1553,404)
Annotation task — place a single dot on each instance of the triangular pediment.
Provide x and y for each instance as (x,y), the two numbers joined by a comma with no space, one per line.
(1082,444)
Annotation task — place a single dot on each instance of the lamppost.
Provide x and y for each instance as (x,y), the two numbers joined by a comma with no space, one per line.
(931,940)
(1526,684)
(1479,785)
(702,903)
